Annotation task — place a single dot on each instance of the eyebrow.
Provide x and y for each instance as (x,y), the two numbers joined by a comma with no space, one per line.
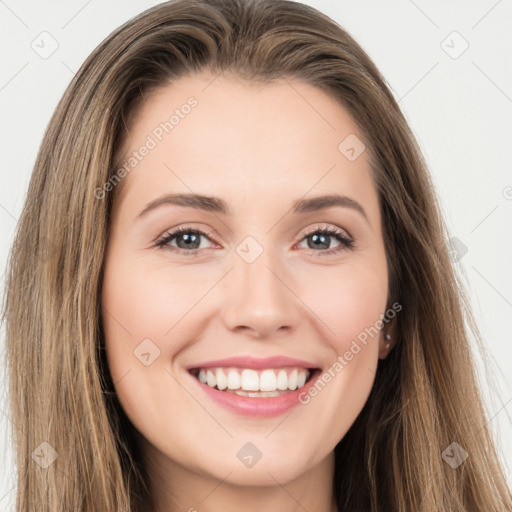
(217,205)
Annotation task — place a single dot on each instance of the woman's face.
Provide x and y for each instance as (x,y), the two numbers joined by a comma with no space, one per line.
(253,295)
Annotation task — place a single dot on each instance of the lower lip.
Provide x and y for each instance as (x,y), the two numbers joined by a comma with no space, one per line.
(255,406)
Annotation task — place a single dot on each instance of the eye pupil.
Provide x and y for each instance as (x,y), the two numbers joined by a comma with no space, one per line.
(318,238)
(190,239)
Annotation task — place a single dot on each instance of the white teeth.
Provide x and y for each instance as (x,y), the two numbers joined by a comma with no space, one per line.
(301,380)
(268,381)
(210,379)
(222,381)
(292,379)
(250,382)
(233,379)
(282,380)
(259,394)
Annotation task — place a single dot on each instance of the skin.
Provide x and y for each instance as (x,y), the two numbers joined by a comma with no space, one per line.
(259,148)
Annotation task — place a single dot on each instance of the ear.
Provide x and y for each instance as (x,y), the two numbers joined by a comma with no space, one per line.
(387,340)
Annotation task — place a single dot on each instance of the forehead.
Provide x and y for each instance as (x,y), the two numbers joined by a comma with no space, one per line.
(226,136)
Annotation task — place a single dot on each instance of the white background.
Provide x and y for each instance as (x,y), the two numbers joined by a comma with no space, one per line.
(460,109)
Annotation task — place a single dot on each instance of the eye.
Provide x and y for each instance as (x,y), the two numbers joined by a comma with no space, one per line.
(321,237)
(188,241)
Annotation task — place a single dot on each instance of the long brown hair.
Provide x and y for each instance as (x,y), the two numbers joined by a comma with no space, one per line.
(425,396)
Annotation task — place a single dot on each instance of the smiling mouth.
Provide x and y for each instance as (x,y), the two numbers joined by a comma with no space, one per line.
(271,382)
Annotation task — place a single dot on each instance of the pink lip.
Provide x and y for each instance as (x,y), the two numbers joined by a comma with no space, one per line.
(255,363)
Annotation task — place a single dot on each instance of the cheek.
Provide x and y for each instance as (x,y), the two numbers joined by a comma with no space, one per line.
(349,301)
(148,313)
(136,315)
(140,305)
(140,301)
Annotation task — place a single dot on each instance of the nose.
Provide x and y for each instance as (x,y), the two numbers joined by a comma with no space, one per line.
(259,299)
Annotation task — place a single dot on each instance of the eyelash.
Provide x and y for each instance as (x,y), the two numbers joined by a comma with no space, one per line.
(346,242)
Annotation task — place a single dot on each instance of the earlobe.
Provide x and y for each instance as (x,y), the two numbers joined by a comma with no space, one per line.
(386,343)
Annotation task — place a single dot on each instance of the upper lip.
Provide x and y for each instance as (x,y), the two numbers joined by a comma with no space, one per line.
(255,362)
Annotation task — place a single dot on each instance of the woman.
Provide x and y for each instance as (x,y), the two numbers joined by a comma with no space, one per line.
(183,349)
